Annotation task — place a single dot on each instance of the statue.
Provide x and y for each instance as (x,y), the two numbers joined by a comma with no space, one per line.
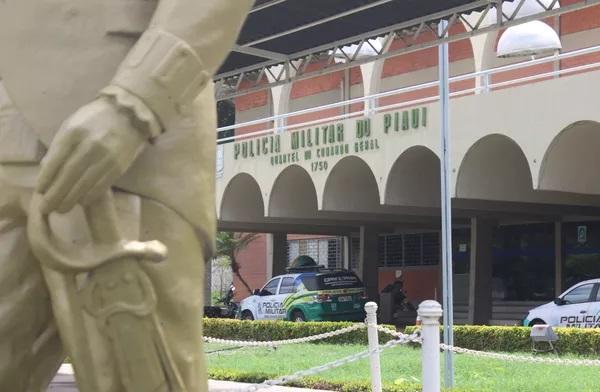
(107,154)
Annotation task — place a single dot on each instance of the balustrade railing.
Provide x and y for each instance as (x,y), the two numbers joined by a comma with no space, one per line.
(482,82)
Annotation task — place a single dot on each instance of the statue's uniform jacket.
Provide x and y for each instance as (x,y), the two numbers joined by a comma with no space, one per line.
(55,57)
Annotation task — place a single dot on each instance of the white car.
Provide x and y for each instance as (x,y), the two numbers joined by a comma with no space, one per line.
(315,295)
(578,307)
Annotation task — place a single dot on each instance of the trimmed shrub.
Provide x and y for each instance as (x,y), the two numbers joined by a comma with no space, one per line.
(510,339)
(279,330)
(485,338)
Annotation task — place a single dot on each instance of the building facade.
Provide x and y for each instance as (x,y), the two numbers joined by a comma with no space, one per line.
(355,181)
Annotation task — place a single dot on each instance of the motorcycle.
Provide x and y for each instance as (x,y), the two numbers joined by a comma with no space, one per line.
(403,311)
(229,308)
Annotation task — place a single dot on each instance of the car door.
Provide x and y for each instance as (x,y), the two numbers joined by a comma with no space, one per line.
(286,288)
(576,304)
(594,310)
(267,309)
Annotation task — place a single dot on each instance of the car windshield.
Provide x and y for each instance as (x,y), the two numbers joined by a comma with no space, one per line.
(331,281)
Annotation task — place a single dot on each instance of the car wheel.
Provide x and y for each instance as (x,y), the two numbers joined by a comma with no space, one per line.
(298,316)
(247,315)
(536,322)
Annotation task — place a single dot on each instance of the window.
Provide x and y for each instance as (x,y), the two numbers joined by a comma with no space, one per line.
(523,262)
(412,249)
(271,287)
(354,253)
(582,253)
(325,251)
(430,248)
(408,249)
(225,118)
(579,295)
(287,286)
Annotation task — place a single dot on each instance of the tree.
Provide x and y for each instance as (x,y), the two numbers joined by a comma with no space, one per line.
(229,244)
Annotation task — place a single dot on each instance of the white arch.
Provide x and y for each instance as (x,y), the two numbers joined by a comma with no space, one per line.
(242,200)
(572,160)
(495,168)
(293,194)
(351,186)
(414,179)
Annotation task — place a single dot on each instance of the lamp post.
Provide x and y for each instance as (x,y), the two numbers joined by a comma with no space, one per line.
(448,312)
(528,39)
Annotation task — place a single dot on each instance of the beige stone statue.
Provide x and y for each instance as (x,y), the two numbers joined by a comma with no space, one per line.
(107,139)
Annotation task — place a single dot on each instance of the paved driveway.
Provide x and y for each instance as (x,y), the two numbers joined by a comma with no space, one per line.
(64,382)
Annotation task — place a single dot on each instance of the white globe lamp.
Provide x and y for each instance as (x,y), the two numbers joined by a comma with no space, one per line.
(528,39)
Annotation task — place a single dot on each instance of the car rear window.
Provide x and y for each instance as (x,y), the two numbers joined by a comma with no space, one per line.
(331,281)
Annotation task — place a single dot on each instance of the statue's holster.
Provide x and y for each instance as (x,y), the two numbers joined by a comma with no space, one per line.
(117,293)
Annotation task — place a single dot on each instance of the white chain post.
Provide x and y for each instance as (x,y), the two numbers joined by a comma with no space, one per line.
(373,335)
(430,313)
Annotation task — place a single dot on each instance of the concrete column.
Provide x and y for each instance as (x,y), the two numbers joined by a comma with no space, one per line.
(346,90)
(346,252)
(276,254)
(281,94)
(558,259)
(480,274)
(371,77)
(208,282)
(367,261)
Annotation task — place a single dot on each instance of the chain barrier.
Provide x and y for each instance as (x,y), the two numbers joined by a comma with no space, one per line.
(307,339)
(521,358)
(227,350)
(334,364)
(400,335)
(501,356)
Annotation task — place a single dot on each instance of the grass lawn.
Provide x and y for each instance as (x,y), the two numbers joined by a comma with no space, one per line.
(403,364)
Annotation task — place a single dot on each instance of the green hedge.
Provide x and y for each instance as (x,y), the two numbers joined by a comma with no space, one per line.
(487,338)
(511,339)
(279,330)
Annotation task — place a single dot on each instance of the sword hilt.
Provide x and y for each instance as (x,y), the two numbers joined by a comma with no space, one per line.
(107,244)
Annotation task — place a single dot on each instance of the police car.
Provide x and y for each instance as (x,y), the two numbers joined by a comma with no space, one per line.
(579,307)
(307,293)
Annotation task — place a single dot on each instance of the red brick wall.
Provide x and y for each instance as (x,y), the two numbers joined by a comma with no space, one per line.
(253,267)
(420,283)
(322,84)
(424,59)
(250,101)
(585,19)
(575,22)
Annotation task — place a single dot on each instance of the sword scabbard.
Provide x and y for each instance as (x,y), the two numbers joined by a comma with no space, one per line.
(121,297)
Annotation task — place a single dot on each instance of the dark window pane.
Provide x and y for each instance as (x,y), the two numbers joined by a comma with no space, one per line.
(271,287)
(412,249)
(579,294)
(287,286)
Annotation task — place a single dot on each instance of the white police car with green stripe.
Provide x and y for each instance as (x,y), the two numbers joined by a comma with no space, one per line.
(307,293)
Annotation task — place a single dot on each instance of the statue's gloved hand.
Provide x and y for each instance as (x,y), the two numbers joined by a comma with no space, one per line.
(92,149)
